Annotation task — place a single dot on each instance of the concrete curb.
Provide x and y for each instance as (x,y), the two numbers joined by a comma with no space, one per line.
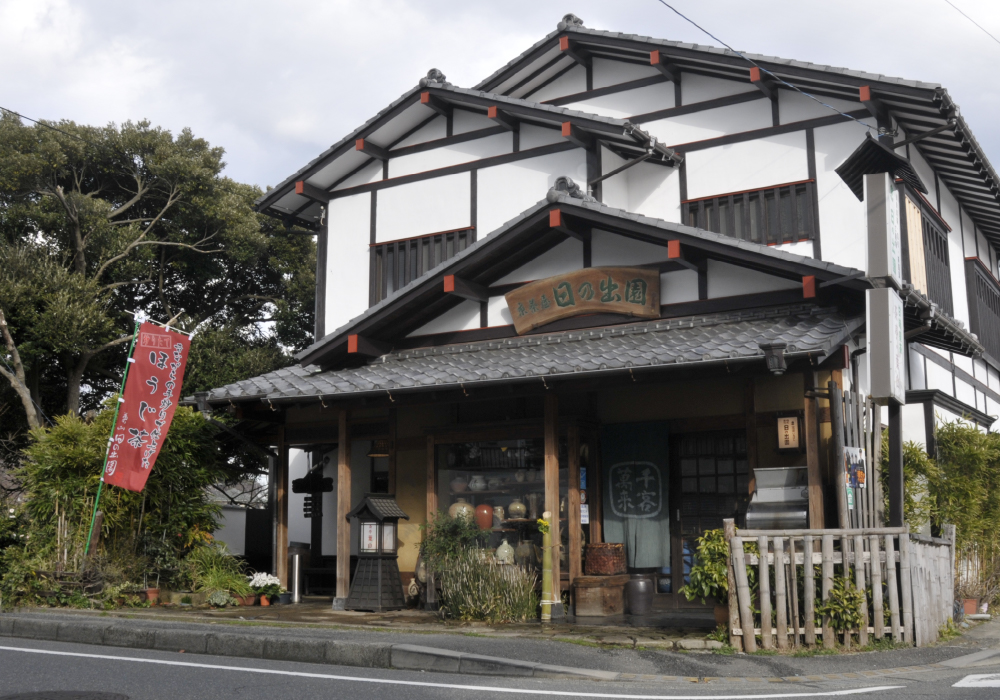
(283,647)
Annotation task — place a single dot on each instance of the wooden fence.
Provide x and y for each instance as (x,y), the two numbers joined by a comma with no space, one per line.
(908,580)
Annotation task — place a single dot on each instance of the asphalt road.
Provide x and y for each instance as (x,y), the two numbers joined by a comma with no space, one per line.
(58,671)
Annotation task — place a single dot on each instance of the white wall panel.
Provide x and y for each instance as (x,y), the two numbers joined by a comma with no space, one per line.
(677,287)
(463,317)
(507,190)
(436,129)
(570,82)
(495,145)
(982,248)
(841,215)
(968,236)
(370,173)
(913,423)
(938,351)
(711,123)
(564,257)
(628,103)
(231,529)
(614,190)
(994,379)
(979,370)
(748,165)
(939,378)
(534,136)
(926,174)
(612,249)
(803,248)
(963,362)
(698,88)
(497,312)
(964,392)
(654,190)
(918,380)
(463,121)
(725,280)
(417,208)
(795,107)
(956,262)
(614,72)
(347,259)
(993,409)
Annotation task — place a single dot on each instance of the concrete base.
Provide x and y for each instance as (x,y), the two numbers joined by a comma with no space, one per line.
(339,603)
(558,611)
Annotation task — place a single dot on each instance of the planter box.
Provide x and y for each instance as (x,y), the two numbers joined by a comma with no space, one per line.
(970,606)
(599,596)
(174,597)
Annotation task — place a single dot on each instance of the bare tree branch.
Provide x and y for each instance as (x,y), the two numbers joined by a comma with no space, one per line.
(17,378)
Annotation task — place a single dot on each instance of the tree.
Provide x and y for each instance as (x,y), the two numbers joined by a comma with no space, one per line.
(97,222)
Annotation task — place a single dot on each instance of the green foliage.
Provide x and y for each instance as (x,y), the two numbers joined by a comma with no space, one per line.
(475,586)
(719,634)
(444,538)
(919,474)
(220,599)
(709,577)
(843,606)
(227,354)
(186,600)
(211,568)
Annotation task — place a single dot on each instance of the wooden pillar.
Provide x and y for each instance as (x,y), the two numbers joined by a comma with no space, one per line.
(392,451)
(343,508)
(895,464)
(811,428)
(552,491)
(595,492)
(281,512)
(750,415)
(837,457)
(573,504)
(729,532)
(432,492)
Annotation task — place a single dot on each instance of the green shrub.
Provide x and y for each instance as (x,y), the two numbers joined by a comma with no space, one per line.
(446,537)
(220,599)
(843,605)
(709,577)
(211,568)
(475,586)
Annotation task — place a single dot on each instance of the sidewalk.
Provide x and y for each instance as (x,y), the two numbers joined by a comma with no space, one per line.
(414,640)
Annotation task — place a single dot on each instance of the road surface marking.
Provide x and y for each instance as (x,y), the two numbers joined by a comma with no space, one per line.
(455,686)
(979,680)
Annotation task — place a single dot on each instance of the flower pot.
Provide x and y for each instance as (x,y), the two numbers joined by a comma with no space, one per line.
(285,598)
(153,595)
(265,600)
(721,614)
(246,600)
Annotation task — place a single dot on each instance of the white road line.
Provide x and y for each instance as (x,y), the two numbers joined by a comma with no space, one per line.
(979,680)
(455,686)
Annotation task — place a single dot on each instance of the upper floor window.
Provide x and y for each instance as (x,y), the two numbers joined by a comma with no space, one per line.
(925,252)
(395,264)
(769,215)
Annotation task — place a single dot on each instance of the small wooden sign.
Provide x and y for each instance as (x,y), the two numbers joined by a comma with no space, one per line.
(631,291)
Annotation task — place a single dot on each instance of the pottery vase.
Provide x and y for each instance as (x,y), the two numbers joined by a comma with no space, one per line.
(459,484)
(498,516)
(524,554)
(520,475)
(534,499)
(505,553)
(461,508)
(484,516)
(493,484)
(516,509)
(477,483)
(639,595)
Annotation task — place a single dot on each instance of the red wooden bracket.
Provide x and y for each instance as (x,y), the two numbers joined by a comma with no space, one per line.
(673,250)
(809,287)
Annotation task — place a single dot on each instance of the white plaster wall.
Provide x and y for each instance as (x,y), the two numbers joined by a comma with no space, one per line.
(463,317)
(507,190)
(299,527)
(606,72)
(926,174)
(993,409)
(843,228)
(433,130)
(497,312)
(612,249)
(698,88)
(569,83)
(628,103)
(795,107)
(231,529)
(743,166)
(677,287)
(956,257)
(913,423)
(463,121)
(710,123)
(968,236)
(994,379)
(725,280)
(347,259)
(939,378)
(918,379)
(426,206)
(804,248)
(964,392)
(534,136)
(564,257)
(654,190)
(370,173)
(330,507)
(614,190)
(963,362)
(361,480)
(456,153)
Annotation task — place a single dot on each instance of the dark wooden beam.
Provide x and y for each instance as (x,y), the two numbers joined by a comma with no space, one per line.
(874,106)
(361,345)
(763,83)
(428,100)
(370,149)
(660,63)
(676,254)
(574,51)
(576,136)
(312,192)
(465,288)
(503,119)
(557,222)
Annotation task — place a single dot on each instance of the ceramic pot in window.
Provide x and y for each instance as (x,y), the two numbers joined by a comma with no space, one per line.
(477,483)
(498,516)
(484,516)
(516,509)
(459,484)
(505,553)
(494,483)
(461,508)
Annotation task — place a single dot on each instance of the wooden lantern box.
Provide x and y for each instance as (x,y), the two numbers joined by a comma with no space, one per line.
(599,596)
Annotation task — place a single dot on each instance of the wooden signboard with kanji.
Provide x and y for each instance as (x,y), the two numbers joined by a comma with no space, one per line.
(630,291)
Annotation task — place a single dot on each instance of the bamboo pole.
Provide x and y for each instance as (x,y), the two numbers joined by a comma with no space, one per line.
(743,593)
(764,585)
(845,569)
(829,641)
(905,589)
(780,600)
(876,576)
(809,590)
(794,583)
(859,581)
(893,586)
(547,577)
(729,531)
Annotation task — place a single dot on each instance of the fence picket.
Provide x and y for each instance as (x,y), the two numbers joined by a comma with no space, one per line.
(905,589)
(829,641)
(809,590)
(743,593)
(859,581)
(891,581)
(794,584)
(764,585)
(876,577)
(780,601)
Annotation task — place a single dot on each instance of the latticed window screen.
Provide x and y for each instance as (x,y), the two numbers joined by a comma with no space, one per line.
(715,478)
(772,215)
(936,264)
(397,263)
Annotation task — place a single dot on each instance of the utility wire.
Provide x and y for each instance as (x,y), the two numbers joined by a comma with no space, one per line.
(766,71)
(47,126)
(973,21)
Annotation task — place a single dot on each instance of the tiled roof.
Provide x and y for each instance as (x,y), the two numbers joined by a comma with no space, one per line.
(717,338)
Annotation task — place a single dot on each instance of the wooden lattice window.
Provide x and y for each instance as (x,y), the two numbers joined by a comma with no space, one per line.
(770,215)
(395,264)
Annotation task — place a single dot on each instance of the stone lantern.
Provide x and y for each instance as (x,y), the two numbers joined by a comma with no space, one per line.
(377,585)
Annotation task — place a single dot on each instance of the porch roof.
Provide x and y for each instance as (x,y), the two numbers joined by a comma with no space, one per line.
(724,338)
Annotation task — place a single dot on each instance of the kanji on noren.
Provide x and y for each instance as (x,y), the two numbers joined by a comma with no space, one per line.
(152,389)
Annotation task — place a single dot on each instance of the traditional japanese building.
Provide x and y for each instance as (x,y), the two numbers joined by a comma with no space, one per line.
(605,281)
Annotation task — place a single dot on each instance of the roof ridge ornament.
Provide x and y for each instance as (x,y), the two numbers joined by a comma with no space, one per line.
(434,77)
(565,186)
(569,20)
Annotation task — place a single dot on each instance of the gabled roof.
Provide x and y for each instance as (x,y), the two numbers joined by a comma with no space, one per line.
(527,236)
(917,106)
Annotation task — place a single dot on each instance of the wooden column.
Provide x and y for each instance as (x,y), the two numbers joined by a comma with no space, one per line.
(837,456)
(343,508)
(281,512)
(432,508)
(552,487)
(392,451)
(573,504)
(895,464)
(750,415)
(817,520)
(595,492)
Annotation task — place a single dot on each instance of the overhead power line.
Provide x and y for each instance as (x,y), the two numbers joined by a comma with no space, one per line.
(765,70)
(973,21)
(47,126)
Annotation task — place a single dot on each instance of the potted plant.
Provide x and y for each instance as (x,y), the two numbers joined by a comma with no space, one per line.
(211,568)
(708,578)
(266,586)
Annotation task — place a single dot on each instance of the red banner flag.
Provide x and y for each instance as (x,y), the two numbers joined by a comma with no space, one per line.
(152,389)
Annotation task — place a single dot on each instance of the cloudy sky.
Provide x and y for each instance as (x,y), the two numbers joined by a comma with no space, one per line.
(275,83)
